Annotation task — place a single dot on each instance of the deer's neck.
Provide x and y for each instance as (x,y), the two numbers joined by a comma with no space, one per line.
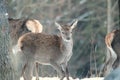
(67,46)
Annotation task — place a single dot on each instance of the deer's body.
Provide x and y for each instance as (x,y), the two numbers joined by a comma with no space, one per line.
(113,44)
(46,47)
(48,50)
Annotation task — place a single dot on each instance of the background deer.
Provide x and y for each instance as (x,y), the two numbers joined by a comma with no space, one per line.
(48,50)
(112,41)
(18,27)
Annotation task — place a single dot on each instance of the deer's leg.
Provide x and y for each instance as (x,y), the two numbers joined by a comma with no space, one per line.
(36,70)
(108,55)
(65,66)
(20,65)
(18,72)
(28,73)
(67,73)
(59,69)
(65,69)
(113,58)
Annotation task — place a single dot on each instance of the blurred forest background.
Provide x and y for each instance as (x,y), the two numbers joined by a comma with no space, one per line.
(96,19)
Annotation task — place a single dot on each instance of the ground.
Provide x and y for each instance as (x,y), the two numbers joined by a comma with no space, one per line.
(56,78)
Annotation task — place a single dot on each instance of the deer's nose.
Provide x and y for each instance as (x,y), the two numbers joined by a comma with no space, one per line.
(68,38)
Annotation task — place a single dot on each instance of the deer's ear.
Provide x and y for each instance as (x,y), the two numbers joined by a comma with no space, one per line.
(58,25)
(74,24)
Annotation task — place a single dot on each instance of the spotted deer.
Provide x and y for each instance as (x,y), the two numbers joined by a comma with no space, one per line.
(47,49)
(18,27)
(112,41)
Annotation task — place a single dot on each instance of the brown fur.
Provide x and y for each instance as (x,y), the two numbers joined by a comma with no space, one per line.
(109,38)
(38,41)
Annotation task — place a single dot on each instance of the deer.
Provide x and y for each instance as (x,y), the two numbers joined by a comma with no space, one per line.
(18,27)
(46,49)
(112,41)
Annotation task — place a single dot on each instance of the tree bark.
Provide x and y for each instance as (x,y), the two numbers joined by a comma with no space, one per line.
(6,69)
(109,29)
(109,16)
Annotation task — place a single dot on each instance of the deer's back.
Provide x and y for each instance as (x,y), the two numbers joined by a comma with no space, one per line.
(40,41)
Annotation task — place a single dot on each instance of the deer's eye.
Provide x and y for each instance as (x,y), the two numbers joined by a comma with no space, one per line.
(63,33)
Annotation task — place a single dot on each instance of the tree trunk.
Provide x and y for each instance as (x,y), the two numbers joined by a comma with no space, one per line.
(109,29)
(119,12)
(109,16)
(6,69)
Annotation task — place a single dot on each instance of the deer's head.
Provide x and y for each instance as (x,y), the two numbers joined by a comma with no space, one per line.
(66,30)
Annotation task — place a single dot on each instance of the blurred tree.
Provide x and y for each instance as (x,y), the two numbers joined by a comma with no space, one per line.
(6,69)
(109,16)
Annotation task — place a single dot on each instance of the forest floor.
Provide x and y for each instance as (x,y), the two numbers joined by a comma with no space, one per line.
(56,78)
